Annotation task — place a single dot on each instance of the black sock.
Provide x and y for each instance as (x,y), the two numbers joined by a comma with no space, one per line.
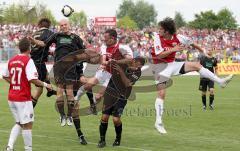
(34,102)
(70,107)
(204,100)
(118,130)
(75,92)
(76,122)
(90,97)
(103,129)
(60,106)
(211,98)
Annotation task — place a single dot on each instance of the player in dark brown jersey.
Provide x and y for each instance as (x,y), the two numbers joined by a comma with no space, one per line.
(115,97)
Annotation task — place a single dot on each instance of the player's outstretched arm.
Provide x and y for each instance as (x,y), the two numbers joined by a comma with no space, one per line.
(166,53)
(127,60)
(41,84)
(37,42)
(198,47)
(7,79)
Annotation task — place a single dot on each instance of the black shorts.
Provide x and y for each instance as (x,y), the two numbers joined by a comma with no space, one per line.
(64,73)
(205,84)
(114,106)
(42,71)
(78,73)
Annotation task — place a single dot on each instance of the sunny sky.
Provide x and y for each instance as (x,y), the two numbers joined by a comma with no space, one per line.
(96,8)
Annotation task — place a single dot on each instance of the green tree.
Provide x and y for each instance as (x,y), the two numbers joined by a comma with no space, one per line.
(127,23)
(1,15)
(78,19)
(179,20)
(226,19)
(48,14)
(125,9)
(206,19)
(143,13)
(24,13)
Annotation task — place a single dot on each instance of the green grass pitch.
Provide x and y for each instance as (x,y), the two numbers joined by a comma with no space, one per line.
(189,127)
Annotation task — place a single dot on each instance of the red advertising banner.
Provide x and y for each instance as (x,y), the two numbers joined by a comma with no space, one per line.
(105,21)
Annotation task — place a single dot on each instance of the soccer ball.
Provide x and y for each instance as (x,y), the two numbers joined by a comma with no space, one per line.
(67,11)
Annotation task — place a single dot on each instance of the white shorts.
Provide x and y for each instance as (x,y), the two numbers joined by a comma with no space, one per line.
(22,111)
(163,71)
(103,77)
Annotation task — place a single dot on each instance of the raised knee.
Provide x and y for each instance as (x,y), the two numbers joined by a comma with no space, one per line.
(198,66)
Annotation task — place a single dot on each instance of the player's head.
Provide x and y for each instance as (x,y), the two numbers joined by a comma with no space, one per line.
(209,51)
(44,22)
(24,45)
(64,25)
(167,27)
(137,63)
(110,37)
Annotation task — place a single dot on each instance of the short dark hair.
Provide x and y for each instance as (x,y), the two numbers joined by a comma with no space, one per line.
(168,24)
(112,33)
(141,60)
(44,22)
(24,45)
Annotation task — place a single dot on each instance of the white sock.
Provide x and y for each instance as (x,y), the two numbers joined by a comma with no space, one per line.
(80,92)
(13,135)
(159,109)
(208,74)
(94,99)
(27,138)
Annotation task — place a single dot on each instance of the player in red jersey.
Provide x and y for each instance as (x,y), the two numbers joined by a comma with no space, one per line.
(20,73)
(166,44)
(112,51)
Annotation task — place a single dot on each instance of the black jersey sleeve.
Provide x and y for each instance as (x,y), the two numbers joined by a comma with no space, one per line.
(215,62)
(80,43)
(201,60)
(51,39)
(47,34)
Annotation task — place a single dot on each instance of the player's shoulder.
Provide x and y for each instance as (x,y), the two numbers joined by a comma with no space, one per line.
(135,74)
(184,39)
(214,59)
(54,34)
(180,37)
(19,59)
(138,72)
(121,45)
(21,56)
(125,47)
(73,35)
(203,57)
(103,46)
(48,31)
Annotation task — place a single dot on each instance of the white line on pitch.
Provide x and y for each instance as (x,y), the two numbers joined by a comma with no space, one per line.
(68,139)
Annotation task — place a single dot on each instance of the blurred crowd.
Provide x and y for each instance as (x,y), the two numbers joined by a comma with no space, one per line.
(224,43)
